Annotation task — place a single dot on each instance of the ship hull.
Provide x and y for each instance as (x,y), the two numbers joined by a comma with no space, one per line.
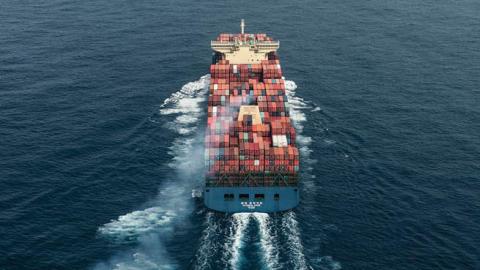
(251,159)
(274,199)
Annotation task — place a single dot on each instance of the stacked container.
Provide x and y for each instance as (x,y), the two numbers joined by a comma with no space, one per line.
(240,148)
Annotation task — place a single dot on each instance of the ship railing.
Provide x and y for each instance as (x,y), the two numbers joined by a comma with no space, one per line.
(216,43)
(252,180)
(222,43)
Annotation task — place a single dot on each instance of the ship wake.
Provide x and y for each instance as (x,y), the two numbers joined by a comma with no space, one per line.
(272,240)
(235,241)
(149,229)
(227,241)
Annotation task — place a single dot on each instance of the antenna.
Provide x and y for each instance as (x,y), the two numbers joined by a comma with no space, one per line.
(242,25)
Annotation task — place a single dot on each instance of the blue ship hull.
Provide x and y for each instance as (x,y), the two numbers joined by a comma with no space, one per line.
(251,199)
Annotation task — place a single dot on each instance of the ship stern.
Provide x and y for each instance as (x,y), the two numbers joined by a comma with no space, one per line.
(251,199)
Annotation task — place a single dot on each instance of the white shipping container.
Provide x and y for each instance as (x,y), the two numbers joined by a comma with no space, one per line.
(279,140)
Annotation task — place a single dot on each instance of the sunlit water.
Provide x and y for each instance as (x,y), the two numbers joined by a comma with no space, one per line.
(102,114)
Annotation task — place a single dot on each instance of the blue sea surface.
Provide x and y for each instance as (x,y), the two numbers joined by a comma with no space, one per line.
(102,111)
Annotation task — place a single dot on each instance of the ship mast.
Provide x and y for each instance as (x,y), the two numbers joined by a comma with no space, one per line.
(242,25)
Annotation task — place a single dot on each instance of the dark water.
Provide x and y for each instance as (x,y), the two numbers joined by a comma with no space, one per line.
(96,168)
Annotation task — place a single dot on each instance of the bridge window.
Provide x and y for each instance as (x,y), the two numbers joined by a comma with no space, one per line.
(244,197)
(276,197)
(228,197)
(259,197)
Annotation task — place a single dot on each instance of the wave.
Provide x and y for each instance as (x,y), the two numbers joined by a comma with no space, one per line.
(294,248)
(209,243)
(225,237)
(268,241)
(297,107)
(150,228)
(130,226)
(186,105)
(226,243)
(235,241)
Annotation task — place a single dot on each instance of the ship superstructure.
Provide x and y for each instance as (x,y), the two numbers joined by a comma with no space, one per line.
(250,154)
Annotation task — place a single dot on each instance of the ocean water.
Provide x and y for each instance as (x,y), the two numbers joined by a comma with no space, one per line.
(102,110)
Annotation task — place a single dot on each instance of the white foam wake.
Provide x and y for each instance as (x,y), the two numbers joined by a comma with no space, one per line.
(298,106)
(268,241)
(289,223)
(235,243)
(185,104)
(295,248)
(209,245)
(131,225)
(150,227)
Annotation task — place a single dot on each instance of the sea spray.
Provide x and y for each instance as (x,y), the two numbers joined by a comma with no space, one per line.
(294,244)
(151,227)
(268,241)
(288,224)
(209,245)
(235,242)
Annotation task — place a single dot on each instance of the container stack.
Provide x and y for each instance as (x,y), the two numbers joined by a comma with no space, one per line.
(244,37)
(249,139)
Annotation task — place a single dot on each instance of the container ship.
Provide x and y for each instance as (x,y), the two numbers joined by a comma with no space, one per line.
(251,159)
